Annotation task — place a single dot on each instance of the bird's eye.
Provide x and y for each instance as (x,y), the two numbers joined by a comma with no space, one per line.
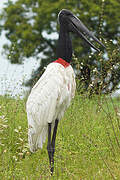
(69,14)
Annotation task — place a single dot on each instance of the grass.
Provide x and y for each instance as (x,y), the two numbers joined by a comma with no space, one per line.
(87,144)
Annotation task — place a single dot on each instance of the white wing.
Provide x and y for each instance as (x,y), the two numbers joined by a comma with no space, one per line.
(47,101)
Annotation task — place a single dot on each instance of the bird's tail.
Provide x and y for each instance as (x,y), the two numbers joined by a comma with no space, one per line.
(36,138)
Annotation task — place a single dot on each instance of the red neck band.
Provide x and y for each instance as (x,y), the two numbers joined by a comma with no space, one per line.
(62,62)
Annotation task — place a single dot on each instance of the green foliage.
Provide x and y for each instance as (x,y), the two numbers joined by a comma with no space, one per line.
(100,76)
(26,22)
(87,143)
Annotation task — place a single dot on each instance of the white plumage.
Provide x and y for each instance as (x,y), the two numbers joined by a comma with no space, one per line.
(48,101)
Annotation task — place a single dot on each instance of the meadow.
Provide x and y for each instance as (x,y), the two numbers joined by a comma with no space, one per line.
(87,144)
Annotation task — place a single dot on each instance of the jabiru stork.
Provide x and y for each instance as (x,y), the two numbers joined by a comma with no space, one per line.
(52,94)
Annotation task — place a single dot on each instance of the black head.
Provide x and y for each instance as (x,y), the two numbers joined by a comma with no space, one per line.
(63,16)
(72,24)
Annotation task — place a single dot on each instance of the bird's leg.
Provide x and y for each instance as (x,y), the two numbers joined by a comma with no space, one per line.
(54,136)
(51,145)
(50,149)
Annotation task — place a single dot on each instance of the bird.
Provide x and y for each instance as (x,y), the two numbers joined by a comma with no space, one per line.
(51,95)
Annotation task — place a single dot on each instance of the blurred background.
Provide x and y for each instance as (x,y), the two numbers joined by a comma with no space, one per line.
(12,76)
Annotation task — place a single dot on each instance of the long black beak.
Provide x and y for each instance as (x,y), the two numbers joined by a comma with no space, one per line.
(78,27)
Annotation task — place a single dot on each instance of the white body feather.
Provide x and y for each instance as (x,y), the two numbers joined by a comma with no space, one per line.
(48,101)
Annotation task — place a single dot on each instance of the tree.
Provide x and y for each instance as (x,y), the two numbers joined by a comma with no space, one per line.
(27,21)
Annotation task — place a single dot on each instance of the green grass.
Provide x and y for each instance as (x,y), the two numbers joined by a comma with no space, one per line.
(87,144)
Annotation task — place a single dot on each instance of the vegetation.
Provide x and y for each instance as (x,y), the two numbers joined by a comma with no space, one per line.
(87,144)
(31,25)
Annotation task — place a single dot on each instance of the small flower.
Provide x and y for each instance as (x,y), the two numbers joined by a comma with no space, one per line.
(15,158)
(95,70)
(16,130)
(19,127)
(2,117)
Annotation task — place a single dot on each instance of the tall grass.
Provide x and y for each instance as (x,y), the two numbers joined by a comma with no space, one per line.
(87,144)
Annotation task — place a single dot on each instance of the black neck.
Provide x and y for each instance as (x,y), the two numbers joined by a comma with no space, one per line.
(64,49)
